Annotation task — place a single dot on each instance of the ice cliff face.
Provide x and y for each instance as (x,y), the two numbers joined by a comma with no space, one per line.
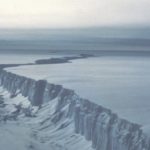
(98,125)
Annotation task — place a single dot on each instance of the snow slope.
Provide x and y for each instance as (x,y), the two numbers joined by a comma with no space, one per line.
(38,132)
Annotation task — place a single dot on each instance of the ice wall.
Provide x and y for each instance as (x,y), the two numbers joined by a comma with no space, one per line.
(104,129)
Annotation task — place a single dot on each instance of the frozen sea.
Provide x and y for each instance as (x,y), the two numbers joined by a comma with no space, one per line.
(120,83)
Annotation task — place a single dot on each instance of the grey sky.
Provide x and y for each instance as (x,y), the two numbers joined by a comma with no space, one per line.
(73,13)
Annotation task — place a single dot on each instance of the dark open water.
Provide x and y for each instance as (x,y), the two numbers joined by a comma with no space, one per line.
(89,40)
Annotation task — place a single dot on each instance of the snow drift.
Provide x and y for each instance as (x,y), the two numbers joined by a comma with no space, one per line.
(104,129)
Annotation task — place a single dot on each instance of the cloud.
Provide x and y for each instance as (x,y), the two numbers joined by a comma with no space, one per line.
(73,13)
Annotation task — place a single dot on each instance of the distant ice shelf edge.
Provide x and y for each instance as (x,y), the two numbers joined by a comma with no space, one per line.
(104,129)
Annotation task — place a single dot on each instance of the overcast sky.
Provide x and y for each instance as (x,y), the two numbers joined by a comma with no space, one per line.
(73,13)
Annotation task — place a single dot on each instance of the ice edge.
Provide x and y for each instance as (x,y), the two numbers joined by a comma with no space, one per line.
(97,124)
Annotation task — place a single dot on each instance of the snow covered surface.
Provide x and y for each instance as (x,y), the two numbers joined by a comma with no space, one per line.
(39,133)
(119,83)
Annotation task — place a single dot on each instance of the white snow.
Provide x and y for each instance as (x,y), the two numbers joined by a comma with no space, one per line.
(119,83)
(36,133)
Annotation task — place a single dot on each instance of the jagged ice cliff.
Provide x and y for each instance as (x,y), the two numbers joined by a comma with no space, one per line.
(62,110)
